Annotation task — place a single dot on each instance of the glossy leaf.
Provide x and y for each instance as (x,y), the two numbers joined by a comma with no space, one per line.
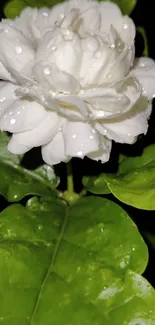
(134,184)
(72,265)
(17,182)
(96,185)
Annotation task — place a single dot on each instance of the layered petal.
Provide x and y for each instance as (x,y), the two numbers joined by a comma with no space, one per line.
(16,50)
(54,152)
(7,95)
(41,134)
(103,153)
(80,139)
(53,78)
(22,115)
(144,71)
(127,128)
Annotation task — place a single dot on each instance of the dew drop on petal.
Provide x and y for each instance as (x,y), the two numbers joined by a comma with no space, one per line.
(18,112)
(93,131)
(80,153)
(13,121)
(10,113)
(47,70)
(91,137)
(18,50)
(54,48)
(45,14)
(112,46)
(125,26)
(74,136)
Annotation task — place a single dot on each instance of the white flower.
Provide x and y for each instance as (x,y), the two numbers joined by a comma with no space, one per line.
(70,81)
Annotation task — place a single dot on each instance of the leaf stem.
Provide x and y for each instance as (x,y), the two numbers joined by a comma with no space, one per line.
(70,182)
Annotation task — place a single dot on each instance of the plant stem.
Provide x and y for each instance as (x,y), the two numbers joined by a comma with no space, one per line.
(70,183)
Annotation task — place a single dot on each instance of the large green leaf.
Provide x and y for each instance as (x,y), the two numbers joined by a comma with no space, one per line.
(17,182)
(134,184)
(72,265)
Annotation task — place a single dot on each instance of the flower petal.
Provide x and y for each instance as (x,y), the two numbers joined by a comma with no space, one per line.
(17,148)
(80,139)
(51,77)
(22,115)
(7,95)
(41,134)
(127,128)
(103,154)
(54,152)
(4,73)
(144,71)
(16,50)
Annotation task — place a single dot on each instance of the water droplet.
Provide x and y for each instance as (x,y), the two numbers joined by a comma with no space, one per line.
(53,48)
(109,76)
(6,31)
(40,227)
(91,137)
(81,92)
(13,121)
(45,14)
(125,26)
(112,46)
(62,15)
(18,112)
(133,249)
(93,131)
(18,50)
(24,90)
(15,196)
(80,153)
(47,70)
(74,136)
(60,129)
(2,99)
(10,113)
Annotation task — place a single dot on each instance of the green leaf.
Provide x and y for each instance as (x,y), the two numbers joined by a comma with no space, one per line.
(14,7)
(134,184)
(95,185)
(72,265)
(126,6)
(17,181)
(142,31)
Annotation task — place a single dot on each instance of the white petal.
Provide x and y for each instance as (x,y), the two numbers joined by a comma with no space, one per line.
(91,15)
(54,152)
(82,4)
(68,53)
(80,139)
(22,115)
(7,95)
(126,129)
(51,77)
(110,15)
(144,70)
(41,134)
(72,107)
(17,148)
(103,154)
(15,51)
(4,73)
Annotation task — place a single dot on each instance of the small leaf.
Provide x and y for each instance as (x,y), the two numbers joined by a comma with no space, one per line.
(134,184)
(17,181)
(13,8)
(95,185)
(126,6)
(142,31)
(72,265)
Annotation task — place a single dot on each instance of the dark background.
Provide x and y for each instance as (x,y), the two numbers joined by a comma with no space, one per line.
(143,15)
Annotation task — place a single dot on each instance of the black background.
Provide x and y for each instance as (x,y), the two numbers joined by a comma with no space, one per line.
(143,15)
